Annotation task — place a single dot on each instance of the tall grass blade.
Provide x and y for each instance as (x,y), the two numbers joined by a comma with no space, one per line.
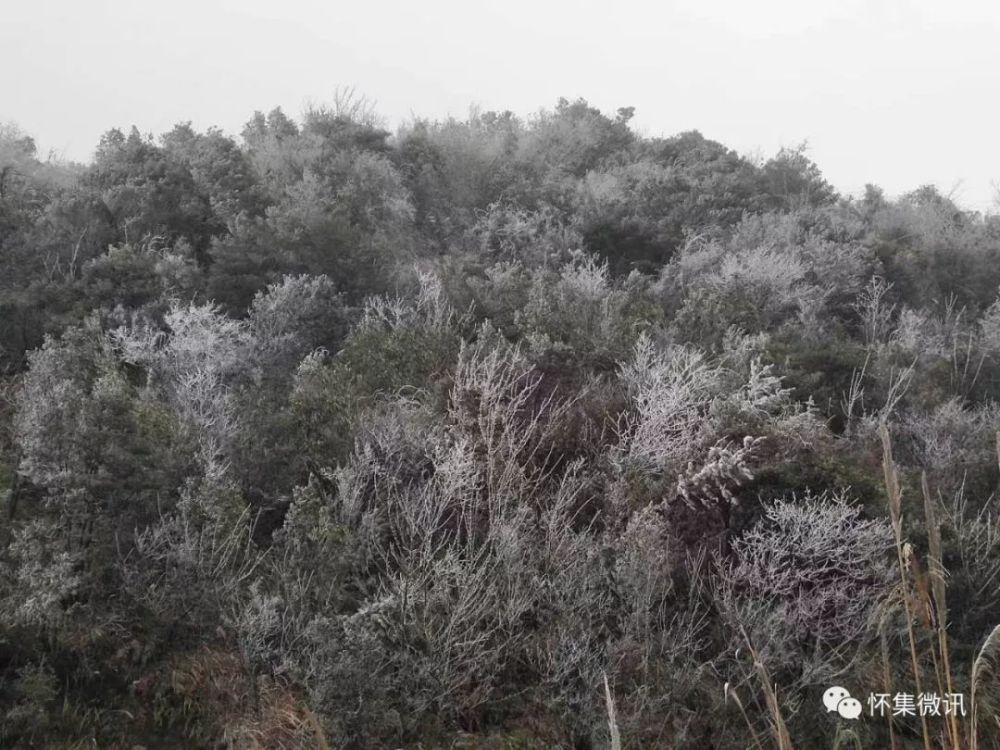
(985,670)
(616,738)
(895,497)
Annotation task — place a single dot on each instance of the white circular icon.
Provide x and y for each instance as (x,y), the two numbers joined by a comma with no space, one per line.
(833,696)
(849,708)
(839,699)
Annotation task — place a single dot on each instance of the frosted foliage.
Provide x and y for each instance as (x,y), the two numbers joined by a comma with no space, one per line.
(472,533)
(944,334)
(812,571)
(772,272)
(577,309)
(44,576)
(53,406)
(989,327)
(531,239)
(842,265)
(204,356)
(724,468)
(913,332)
(195,364)
(950,438)
(430,309)
(774,280)
(455,502)
(762,394)
(978,533)
(765,267)
(180,564)
(290,305)
(875,310)
(682,405)
(586,280)
(671,393)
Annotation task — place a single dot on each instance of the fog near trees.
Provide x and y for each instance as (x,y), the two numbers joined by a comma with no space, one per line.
(326,436)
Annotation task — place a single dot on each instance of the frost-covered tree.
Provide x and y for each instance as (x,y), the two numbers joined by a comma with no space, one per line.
(806,583)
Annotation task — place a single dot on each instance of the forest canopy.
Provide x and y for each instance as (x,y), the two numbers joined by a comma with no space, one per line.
(497,432)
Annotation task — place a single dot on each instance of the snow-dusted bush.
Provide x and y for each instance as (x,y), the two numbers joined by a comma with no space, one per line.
(541,238)
(194,365)
(40,577)
(954,442)
(769,272)
(671,393)
(580,310)
(464,551)
(683,404)
(807,578)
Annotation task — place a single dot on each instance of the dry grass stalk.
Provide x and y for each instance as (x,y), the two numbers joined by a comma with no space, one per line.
(886,669)
(895,497)
(998,447)
(935,570)
(782,738)
(728,693)
(985,668)
(616,739)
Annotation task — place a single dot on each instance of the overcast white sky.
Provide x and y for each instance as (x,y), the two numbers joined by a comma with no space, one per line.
(896,92)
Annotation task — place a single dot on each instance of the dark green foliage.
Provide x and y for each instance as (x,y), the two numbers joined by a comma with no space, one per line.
(792,180)
(821,371)
(144,192)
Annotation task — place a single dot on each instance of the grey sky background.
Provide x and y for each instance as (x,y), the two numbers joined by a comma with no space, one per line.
(896,92)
